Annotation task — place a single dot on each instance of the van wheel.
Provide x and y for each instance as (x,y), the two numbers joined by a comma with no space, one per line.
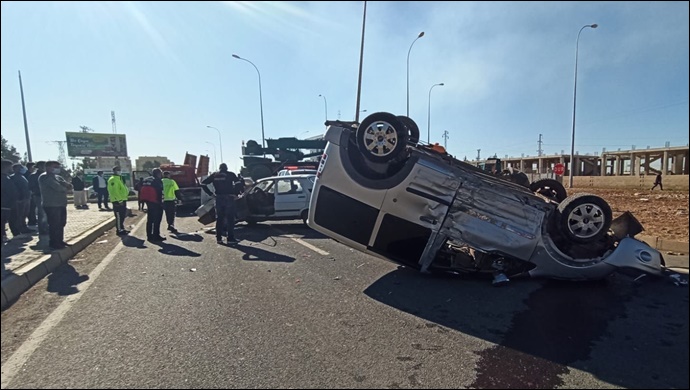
(412,128)
(584,218)
(382,137)
(305,216)
(550,188)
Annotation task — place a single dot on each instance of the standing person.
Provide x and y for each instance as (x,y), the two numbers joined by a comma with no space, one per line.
(100,186)
(657,182)
(227,187)
(30,166)
(54,199)
(119,193)
(79,191)
(21,210)
(42,220)
(9,196)
(170,192)
(137,188)
(152,193)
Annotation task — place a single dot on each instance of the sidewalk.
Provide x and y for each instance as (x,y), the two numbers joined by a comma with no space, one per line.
(26,259)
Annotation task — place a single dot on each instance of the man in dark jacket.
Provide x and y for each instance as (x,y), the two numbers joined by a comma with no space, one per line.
(9,196)
(54,199)
(79,192)
(30,169)
(41,219)
(21,210)
(154,214)
(227,186)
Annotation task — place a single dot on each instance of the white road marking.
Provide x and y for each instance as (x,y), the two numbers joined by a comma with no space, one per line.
(302,242)
(14,364)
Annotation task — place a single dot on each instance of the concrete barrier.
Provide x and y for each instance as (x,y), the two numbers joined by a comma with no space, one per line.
(645,182)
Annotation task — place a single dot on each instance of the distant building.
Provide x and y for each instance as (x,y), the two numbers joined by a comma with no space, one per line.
(141,161)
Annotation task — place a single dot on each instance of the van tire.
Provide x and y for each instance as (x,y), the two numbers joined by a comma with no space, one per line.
(550,188)
(412,128)
(584,218)
(305,217)
(382,137)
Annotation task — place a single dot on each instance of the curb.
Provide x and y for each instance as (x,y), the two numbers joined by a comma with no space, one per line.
(29,274)
(661,244)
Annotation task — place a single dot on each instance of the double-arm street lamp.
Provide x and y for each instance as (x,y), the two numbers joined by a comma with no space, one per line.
(421,34)
(220,141)
(261,102)
(325,104)
(428,123)
(572,142)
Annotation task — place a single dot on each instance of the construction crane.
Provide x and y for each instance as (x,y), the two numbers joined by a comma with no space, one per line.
(61,145)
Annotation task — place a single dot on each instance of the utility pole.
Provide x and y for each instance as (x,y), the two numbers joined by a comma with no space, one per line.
(540,151)
(26,127)
(478,158)
(445,139)
(61,146)
(112,116)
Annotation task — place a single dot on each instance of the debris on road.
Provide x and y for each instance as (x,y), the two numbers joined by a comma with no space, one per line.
(101,242)
(192,269)
(336,278)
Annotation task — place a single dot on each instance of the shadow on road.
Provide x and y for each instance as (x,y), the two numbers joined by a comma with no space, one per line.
(262,231)
(64,280)
(252,253)
(174,250)
(544,327)
(187,237)
(133,242)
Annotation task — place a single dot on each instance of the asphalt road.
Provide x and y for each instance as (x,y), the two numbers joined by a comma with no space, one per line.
(288,308)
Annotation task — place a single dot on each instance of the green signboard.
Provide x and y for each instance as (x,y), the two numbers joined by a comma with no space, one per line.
(96,144)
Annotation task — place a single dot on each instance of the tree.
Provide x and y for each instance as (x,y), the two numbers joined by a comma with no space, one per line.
(149,165)
(9,152)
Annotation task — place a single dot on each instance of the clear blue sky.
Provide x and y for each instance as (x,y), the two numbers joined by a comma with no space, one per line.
(166,69)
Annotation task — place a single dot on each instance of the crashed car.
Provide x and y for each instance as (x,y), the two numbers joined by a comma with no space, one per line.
(276,198)
(380,191)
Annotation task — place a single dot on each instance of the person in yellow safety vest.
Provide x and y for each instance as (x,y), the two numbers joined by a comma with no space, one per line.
(170,191)
(118,194)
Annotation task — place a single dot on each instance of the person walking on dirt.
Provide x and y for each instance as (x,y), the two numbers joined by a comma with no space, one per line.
(227,187)
(170,191)
(657,182)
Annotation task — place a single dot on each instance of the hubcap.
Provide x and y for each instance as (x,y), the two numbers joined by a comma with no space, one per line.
(380,138)
(586,220)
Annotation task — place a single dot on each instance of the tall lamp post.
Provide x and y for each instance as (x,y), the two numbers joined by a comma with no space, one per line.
(215,160)
(261,102)
(428,123)
(421,34)
(572,142)
(325,104)
(221,143)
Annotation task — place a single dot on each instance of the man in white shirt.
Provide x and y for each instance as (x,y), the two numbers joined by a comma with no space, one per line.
(100,186)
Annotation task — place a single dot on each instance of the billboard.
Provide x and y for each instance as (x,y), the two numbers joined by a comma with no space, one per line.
(95,145)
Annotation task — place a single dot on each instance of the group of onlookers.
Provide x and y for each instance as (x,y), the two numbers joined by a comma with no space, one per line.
(34,195)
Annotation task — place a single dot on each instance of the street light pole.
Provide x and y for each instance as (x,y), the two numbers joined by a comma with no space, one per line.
(215,160)
(26,127)
(421,34)
(261,102)
(572,141)
(428,117)
(325,103)
(221,143)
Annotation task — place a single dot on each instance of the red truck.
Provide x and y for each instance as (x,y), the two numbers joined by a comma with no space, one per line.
(188,177)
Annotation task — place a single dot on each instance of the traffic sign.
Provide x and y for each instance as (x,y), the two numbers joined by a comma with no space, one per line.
(559,169)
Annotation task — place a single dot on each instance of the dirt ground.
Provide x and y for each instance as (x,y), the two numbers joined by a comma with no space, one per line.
(661,213)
